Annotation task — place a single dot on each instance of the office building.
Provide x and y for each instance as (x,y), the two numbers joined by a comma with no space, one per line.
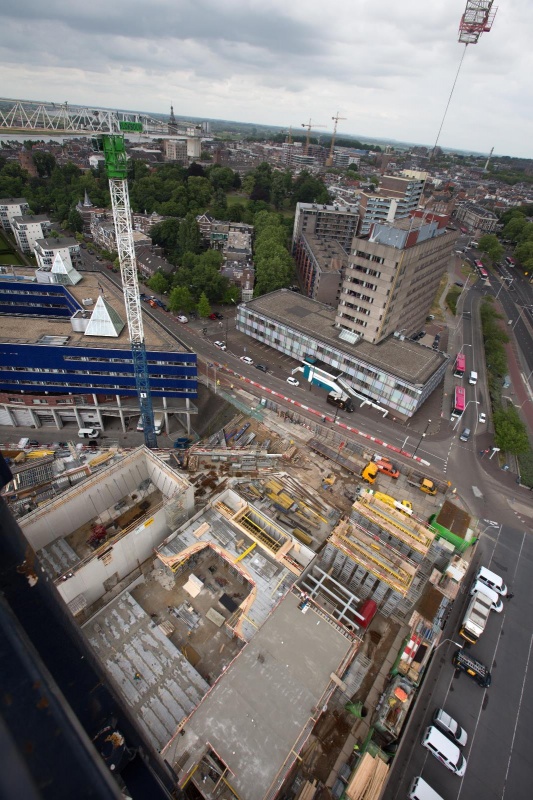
(320,264)
(11,207)
(393,275)
(396,374)
(176,150)
(28,229)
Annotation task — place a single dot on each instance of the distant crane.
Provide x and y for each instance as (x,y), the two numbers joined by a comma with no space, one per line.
(477,19)
(309,125)
(329,159)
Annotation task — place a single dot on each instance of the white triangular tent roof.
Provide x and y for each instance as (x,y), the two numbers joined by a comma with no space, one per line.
(105,321)
(64,272)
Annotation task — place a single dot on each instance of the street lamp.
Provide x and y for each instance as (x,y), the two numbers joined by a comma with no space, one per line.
(421,438)
(459,645)
(519,315)
(476,402)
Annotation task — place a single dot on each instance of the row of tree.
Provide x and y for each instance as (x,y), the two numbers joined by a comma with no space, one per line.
(520,231)
(510,433)
(273,263)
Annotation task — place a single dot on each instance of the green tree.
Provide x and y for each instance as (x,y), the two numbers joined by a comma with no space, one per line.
(308,189)
(490,245)
(203,308)
(510,433)
(200,192)
(180,300)
(514,227)
(189,238)
(158,283)
(45,163)
(74,220)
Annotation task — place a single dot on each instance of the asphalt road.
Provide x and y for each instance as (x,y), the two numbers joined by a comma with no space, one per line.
(497,719)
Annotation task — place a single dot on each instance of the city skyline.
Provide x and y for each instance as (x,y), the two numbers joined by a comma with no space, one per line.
(390,75)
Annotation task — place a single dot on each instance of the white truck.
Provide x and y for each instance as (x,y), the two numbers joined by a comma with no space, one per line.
(475,618)
(159,421)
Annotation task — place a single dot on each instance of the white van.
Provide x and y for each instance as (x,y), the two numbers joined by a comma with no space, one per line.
(88,433)
(491,580)
(445,723)
(420,790)
(444,751)
(494,597)
(472,380)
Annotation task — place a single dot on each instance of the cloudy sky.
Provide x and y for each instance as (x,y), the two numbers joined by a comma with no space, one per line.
(387,66)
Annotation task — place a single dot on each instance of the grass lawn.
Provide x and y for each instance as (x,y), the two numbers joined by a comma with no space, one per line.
(7,254)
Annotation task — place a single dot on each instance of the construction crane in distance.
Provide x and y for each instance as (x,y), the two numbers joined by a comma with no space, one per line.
(329,160)
(309,125)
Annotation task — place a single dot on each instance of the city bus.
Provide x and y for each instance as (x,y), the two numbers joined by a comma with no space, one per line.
(510,261)
(478,264)
(460,366)
(459,402)
(483,274)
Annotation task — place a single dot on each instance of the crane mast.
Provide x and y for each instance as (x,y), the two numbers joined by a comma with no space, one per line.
(329,160)
(115,155)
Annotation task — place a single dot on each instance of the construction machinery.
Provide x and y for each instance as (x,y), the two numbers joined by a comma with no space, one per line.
(109,127)
(329,159)
(309,125)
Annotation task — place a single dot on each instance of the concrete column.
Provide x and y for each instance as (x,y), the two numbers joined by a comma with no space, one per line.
(121,414)
(188,415)
(57,419)
(11,417)
(78,418)
(165,406)
(97,407)
(35,418)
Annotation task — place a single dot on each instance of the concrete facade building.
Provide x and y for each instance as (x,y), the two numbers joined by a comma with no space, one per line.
(395,198)
(392,277)
(27,230)
(46,251)
(326,222)
(11,207)
(397,374)
(320,264)
(176,150)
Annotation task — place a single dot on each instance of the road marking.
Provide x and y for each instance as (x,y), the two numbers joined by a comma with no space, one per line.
(517,716)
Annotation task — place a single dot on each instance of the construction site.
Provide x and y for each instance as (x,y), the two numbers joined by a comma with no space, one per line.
(249,559)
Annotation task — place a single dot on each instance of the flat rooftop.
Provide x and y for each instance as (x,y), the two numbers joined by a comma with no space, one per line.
(410,361)
(263,708)
(29,330)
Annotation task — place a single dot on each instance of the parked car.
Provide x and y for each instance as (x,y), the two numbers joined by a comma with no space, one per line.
(216,315)
(262,367)
(152,303)
(220,345)
(482,417)
(293,381)
(247,360)
(33,443)
(459,283)
(182,318)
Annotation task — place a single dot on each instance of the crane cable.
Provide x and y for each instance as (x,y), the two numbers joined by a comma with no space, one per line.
(448,103)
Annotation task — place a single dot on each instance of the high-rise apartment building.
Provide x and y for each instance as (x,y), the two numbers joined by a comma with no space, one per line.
(393,275)
(11,207)
(395,198)
(326,222)
(28,229)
